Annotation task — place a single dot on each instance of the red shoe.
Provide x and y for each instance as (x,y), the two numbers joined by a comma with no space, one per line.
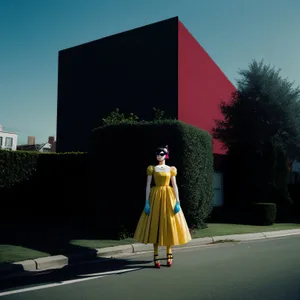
(156,262)
(170,259)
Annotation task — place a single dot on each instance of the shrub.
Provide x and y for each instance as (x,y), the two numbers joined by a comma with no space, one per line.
(263,213)
(16,167)
(116,117)
(42,184)
(120,155)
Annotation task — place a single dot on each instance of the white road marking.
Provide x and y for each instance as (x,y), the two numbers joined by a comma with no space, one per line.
(110,272)
(51,285)
(46,286)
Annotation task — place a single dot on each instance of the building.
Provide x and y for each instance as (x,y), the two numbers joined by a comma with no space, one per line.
(31,145)
(159,65)
(8,140)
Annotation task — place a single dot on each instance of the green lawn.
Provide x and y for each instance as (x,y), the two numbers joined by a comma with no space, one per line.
(227,229)
(11,253)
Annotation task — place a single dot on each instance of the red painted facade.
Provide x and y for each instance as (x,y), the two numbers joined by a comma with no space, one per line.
(201,85)
(158,65)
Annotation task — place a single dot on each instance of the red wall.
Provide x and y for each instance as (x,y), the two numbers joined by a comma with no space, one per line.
(201,85)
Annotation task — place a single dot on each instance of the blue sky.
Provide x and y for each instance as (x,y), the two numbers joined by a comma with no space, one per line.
(32,32)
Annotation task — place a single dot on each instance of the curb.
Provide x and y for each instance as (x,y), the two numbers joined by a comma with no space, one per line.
(60,261)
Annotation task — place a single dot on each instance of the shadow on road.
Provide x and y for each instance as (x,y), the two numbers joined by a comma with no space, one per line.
(52,238)
(77,271)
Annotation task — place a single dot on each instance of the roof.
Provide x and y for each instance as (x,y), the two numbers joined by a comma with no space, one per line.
(35,147)
(2,131)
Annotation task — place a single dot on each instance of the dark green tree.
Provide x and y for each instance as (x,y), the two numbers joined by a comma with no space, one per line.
(261,130)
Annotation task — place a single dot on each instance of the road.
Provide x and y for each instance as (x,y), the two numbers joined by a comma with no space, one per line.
(259,270)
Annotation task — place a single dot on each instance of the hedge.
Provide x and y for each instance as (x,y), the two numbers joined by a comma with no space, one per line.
(43,185)
(16,167)
(263,213)
(120,155)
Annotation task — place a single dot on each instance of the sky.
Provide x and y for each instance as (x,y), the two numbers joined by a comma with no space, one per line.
(233,32)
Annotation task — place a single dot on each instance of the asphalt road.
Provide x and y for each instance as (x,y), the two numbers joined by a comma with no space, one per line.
(259,270)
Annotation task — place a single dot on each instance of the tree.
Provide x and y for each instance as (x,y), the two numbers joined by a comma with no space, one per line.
(260,130)
(115,117)
(158,114)
(265,109)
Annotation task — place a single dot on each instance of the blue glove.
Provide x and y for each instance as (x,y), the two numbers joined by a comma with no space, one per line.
(147,207)
(177,208)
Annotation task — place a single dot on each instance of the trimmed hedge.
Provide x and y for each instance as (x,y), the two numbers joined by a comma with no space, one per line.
(263,213)
(43,185)
(16,167)
(120,155)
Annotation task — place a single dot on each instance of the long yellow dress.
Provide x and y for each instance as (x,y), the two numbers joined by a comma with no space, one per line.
(162,226)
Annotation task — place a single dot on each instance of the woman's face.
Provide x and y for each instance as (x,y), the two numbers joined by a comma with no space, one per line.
(160,155)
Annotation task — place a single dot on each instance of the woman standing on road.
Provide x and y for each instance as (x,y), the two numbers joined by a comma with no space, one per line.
(162,222)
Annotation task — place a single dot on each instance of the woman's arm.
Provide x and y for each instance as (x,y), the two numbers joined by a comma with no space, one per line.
(174,184)
(148,186)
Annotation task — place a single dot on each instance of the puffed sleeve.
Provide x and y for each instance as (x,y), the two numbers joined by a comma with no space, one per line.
(173,171)
(150,170)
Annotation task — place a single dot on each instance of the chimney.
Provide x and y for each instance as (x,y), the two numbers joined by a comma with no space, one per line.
(31,140)
(51,140)
(1,127)
(53,147)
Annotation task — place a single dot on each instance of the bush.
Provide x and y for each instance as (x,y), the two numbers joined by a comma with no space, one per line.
(43,185)
(263,213)
(16,167)
(120,155)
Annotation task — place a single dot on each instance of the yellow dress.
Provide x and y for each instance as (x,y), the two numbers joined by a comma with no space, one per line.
(162,226)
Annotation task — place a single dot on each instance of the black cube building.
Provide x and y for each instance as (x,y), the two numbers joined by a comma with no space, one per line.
(134,71)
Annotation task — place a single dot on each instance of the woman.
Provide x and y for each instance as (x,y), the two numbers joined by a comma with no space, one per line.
(162,222)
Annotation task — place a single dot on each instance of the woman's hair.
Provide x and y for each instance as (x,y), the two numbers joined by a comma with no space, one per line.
(164,149)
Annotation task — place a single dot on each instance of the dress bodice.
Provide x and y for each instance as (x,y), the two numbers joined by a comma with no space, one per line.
(161,178)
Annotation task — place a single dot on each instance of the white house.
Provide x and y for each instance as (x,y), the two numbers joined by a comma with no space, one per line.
(8,140)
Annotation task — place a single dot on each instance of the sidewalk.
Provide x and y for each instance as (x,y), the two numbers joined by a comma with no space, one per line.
(60,261)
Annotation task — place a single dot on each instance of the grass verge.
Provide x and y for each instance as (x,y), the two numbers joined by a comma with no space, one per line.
(228,229)
(13,253)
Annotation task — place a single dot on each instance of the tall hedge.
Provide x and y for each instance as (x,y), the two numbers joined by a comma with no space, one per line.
(120,155)
(16,167)
(42,185)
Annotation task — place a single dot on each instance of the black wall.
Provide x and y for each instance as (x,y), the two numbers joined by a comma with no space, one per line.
(133,71)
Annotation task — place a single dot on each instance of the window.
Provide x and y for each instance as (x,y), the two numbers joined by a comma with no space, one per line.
(1,141)
(8,142)
(218,189)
